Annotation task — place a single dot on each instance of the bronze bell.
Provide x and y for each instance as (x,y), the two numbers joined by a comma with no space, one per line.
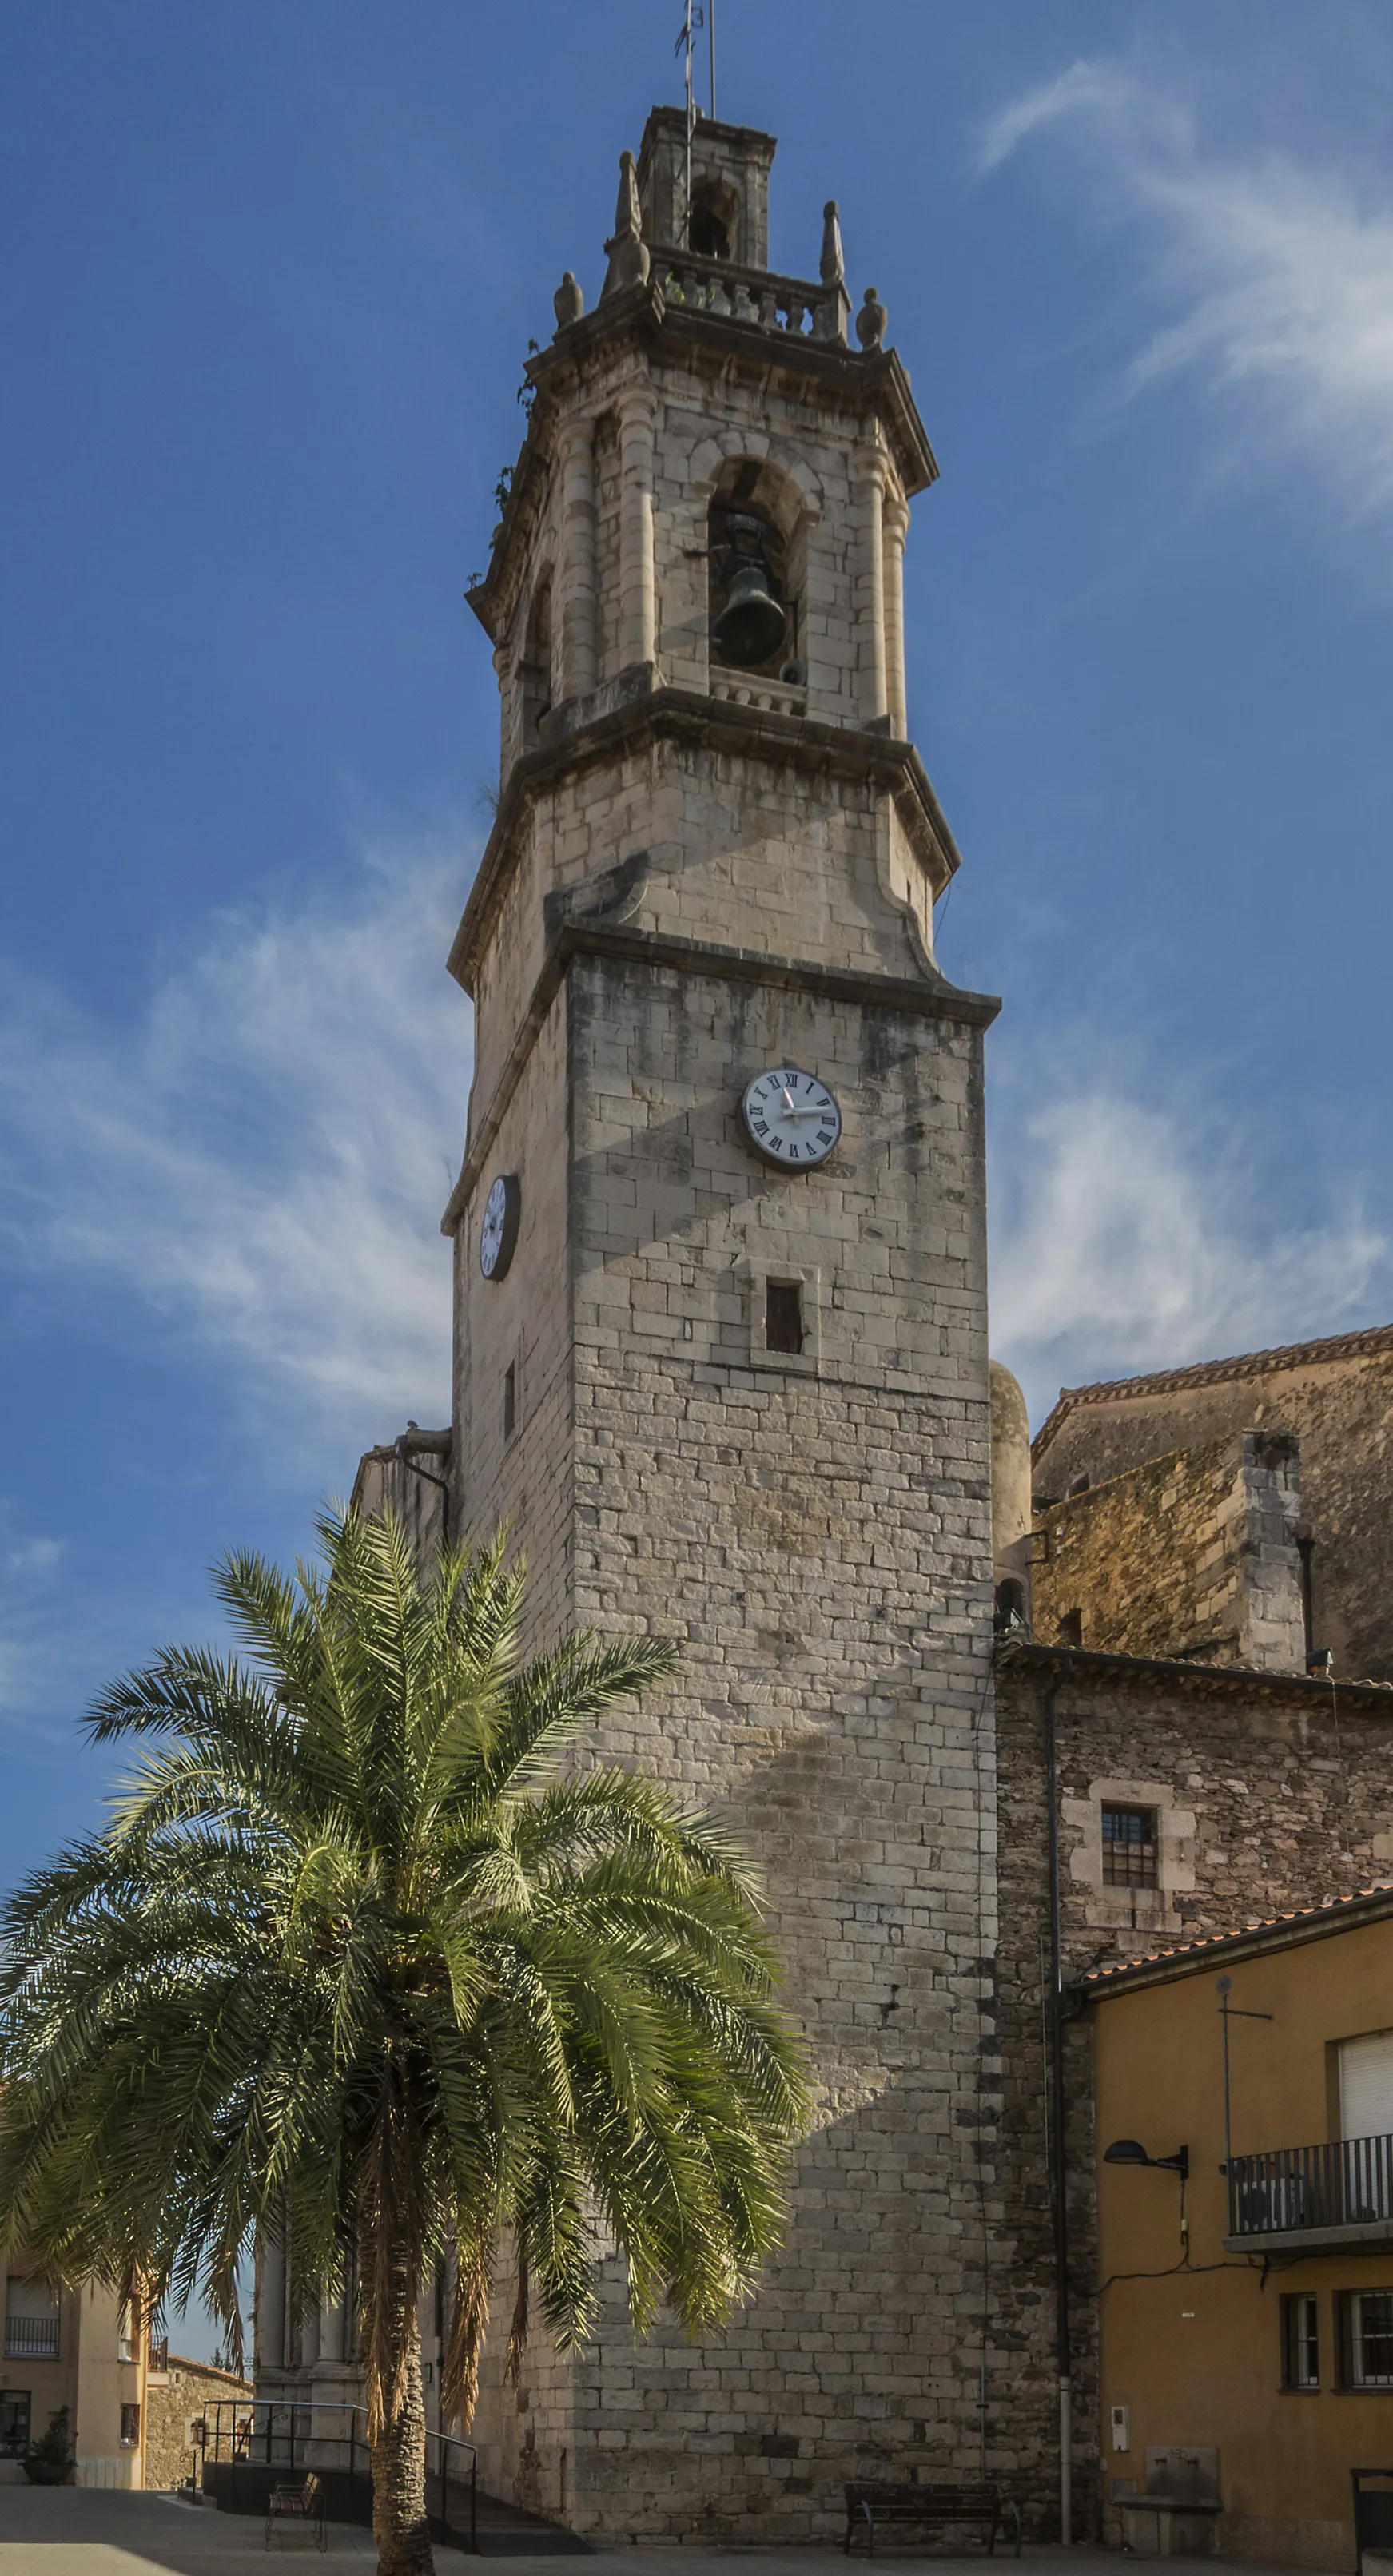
(751,625)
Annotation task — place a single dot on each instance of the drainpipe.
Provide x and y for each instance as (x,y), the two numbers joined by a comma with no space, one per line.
(1059,2203)
(436,1444)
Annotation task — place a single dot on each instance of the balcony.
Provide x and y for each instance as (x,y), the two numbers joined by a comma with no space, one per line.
(31,2338)
(1312,2199)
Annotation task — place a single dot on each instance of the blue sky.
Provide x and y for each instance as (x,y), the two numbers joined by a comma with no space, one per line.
(268,279)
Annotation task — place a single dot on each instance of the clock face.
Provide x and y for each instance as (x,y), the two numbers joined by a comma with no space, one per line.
(499,1232)
(791,1117)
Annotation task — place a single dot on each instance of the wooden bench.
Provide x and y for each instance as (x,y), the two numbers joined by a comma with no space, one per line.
(304,2503)
(871,2508)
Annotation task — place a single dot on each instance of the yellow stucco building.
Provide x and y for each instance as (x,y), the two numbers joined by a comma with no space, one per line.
(1244,2101)
(80,2349)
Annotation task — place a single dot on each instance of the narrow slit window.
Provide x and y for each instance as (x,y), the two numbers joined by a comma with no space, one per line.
(510,1401)
(1071,1627)
(1129,1847)
(783,1315)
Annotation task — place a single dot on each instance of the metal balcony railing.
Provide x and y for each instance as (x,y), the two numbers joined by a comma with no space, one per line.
(31,2338)
(1346,2183)
(299,2433)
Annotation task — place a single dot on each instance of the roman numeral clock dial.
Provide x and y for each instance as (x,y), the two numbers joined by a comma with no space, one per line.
(791,1118)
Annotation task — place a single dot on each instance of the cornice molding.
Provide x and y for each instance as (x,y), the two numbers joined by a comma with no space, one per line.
(719,725)
(1204,1681)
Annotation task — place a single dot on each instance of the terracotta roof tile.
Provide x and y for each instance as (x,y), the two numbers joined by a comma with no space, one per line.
(1299,1914)
(1334,1346)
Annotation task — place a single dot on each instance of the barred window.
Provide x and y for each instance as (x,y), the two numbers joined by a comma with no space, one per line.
(1300,2342)
(1129,1847)
(1366,2337)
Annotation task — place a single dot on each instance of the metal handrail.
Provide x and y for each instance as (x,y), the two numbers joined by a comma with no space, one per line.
(1345,2182)
(244,2439)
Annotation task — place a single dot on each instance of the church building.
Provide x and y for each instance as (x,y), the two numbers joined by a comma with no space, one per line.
(720,1299)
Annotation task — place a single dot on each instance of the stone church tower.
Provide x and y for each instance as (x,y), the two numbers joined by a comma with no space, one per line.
(721,1356)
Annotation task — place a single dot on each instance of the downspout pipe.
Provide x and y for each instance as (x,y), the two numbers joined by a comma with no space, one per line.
(436,1444)
(1058,2173)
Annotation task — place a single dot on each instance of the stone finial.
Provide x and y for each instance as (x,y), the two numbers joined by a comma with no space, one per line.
(627,253)
(567,303)
(871,321)
(833,268)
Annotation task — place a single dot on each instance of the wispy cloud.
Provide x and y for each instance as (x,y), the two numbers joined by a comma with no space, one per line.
(262,1159)
(31,1560)
(1273,278)
(1086,88)
(1123,1241)
(29,1565)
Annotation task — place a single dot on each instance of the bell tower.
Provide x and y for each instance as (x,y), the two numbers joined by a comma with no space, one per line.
(721,1357)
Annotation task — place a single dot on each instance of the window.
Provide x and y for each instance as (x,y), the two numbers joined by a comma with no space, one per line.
(31,2319)
(1366,2085)
(1129,1847)
(130,2427)
(1366,2338)
(536,664)
(1010,1619)
(1300,2342)
(757,570)
(783,1315)
(510,1401)
(14,2422)
(713,228)
(1071,1628)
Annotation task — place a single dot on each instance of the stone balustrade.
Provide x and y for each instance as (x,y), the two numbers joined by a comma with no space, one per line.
(788,304)
(747,689)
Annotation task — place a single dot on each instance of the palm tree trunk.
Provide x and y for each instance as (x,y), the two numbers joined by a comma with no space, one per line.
(399,2523)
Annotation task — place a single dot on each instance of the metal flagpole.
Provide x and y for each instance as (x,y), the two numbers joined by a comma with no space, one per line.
(691,120)
(711,41)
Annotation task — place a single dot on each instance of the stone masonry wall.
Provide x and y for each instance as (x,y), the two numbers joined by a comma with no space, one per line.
(1194,1553)
(1280,1793)
(1336,1398)
(521,1323)
(174,2397)
(818,1538)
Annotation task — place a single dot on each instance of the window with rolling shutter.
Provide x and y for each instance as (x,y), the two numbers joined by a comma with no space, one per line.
(1366,2086)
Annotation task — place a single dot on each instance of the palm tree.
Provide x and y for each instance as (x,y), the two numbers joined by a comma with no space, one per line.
(364,1965)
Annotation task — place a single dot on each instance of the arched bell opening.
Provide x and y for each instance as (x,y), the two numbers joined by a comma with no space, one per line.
(755,559)
(535,672)
(713,226)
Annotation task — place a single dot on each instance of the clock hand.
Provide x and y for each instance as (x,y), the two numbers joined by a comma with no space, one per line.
(788,1099)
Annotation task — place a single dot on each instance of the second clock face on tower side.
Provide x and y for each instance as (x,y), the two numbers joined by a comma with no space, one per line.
(791,1117)
(499,1232)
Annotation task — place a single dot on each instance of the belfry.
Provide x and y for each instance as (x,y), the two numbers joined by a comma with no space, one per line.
(721,1355)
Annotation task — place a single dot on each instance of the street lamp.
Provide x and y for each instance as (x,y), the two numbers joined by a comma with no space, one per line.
(1130,2151)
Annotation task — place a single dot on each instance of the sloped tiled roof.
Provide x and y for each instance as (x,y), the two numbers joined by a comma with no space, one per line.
(1263,1932)
(1335,1346)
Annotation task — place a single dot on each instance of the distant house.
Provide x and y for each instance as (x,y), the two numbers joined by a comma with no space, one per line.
(79,2349)
(1244,2102)
(181,2396)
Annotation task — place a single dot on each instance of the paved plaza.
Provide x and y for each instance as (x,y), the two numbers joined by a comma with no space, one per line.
(77,2531)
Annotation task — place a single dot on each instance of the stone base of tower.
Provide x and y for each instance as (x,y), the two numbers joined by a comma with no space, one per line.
(862,2357)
